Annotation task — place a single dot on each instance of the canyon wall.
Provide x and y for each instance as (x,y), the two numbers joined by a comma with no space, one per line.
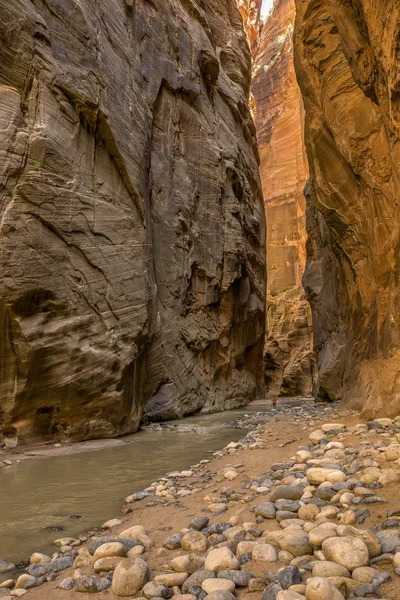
(284,171)
(347,57)
(132,269)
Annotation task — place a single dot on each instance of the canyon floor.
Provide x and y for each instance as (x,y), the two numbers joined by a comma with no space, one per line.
(278,514)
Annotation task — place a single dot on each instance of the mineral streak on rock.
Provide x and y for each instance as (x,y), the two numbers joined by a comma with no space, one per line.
(347,65)
(284,171)
(132,225)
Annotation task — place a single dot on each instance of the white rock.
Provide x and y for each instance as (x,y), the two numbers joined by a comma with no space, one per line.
(211,585)
(264,553)
(350,552)
(219,559)
(329,426)
(111,523)
(38,558)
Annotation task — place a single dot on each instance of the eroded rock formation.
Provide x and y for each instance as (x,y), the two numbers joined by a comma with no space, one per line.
(132,228)
(347,56)
(284,172)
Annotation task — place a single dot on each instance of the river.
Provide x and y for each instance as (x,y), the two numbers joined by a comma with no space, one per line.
(43,493)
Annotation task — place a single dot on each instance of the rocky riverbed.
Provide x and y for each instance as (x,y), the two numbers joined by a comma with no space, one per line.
(305,506)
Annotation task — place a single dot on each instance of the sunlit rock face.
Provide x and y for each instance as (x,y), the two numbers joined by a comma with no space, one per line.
(283,168)
(347,57)
(251,15)
(132,225)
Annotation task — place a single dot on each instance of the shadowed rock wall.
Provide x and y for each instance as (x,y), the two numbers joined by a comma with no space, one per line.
(347,57)
(284,171)
(132,227)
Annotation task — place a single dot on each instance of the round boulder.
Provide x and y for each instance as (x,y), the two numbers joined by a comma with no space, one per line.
(221,558)
(350,552)
(130,576)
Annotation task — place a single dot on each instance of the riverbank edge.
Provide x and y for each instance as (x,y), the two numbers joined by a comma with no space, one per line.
(54,448)
(287,437)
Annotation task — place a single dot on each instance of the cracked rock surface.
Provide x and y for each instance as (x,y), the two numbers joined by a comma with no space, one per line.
(132,229)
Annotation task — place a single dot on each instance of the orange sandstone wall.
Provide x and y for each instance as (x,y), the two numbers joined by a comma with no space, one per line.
(283,169)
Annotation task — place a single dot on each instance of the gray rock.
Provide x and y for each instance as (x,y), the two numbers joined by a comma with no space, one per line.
(173,542)
(267,510)
(197,592)
(199,523)
(60,564)
(390,524)
(289,576)
(245,558)
(36,583)
(271,591)
(287,505)
(239,578)
(366,589)
(6,566)
(197,579)
(67,584)
(91,585)
(374,500)
(390,540)
(325,493)
(217,528)
(286,492)
(381,578)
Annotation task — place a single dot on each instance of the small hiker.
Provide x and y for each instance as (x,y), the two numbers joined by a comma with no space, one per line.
(273,402)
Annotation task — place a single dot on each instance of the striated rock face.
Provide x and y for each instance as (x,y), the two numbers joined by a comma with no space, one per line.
(283,168)
(347,57)
(132,228)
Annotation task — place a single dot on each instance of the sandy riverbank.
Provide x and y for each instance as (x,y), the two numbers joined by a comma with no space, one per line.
(275,442)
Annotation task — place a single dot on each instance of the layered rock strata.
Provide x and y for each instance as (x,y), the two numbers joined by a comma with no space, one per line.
(132,227)
(284,171)
(347,65)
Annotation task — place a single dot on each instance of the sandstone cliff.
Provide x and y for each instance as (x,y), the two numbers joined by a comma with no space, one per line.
(347,57)
(132,227)
(283,168)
